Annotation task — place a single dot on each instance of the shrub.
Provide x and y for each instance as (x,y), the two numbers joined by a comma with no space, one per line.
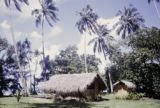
(121,94)
(135,96)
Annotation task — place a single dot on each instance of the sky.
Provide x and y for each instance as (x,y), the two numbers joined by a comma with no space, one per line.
(64,32)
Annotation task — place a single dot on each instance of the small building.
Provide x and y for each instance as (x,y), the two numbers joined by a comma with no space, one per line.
(125,85)
(75,85)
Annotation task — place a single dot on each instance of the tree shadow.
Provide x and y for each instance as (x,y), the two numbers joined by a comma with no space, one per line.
(66,104)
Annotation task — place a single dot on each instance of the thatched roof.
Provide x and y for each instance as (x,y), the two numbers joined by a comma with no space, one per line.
(69,83)
(129,84)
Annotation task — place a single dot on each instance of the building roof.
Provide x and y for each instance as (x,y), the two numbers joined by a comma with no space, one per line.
(68,83)
(126,82)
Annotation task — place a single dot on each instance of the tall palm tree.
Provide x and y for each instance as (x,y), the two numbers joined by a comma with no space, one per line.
(17,4)
(102,44)
(155,5)
(87,23)
(130,21)
(47,12)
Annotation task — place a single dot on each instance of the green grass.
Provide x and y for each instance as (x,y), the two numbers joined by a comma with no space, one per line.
(109,102)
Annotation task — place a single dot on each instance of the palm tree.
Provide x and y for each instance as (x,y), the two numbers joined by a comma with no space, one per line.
(87,23)
(130,21)
(102,41)
(17,4)
(102,45)
(47,12)
(154,1)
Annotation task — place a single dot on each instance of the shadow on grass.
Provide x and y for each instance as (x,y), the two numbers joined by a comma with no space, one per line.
(66,104)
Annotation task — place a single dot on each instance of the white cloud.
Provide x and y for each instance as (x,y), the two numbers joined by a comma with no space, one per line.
(52,51)
(55,31)
(18,35)
(5,24)
(35,34)
(110,22)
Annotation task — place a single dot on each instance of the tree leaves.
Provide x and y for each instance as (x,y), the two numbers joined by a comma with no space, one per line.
(17,3)
(130,21)
(87,21)
(47,12)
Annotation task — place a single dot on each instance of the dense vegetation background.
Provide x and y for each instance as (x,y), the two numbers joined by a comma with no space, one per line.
(140,63)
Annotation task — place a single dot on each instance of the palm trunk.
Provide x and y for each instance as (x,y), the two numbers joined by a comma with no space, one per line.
(34,77)
(16,52)
(25,84)
(30,76)
(43,52)
(85,55)
(110,82)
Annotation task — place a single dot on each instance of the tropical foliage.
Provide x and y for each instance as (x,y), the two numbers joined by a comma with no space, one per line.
(17,3)
(141,65)
(102,43)
(68,61)
(130,21)
(87,21)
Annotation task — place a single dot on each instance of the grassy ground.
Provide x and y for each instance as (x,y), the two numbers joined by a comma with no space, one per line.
(109,102)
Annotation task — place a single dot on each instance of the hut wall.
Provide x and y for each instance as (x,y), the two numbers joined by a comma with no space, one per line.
(120,87)
(93,90)
(96,88)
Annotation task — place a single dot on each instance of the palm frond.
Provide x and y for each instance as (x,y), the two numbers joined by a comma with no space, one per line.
(47,12)
(129,22)
(92,40)
(7,2)
(87,21)
(16,3)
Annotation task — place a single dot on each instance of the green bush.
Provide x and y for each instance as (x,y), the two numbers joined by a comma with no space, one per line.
(135,96)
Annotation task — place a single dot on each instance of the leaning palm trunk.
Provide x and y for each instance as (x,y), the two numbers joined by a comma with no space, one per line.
(16,52)
(110,82)
(85,55)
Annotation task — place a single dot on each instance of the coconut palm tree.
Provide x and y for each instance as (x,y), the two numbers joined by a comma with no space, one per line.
(102,41)
(130,21)
(48,12)
(87,23)
(102,44)
(17,4)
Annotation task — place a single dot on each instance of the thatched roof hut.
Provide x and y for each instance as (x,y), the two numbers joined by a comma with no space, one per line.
(86,84)
(125,85)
